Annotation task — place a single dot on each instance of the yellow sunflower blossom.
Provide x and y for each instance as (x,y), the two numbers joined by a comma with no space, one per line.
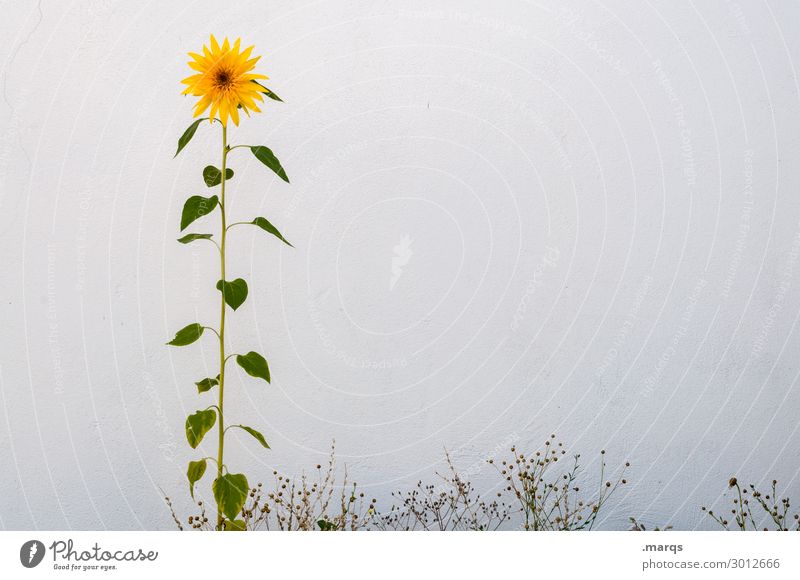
(224,81)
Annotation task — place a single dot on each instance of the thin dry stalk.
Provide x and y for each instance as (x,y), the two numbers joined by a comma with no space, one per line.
(453,504)
(550,499)
(772,513)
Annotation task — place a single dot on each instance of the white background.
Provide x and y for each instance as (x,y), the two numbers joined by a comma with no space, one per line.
(596,203)
(709,555)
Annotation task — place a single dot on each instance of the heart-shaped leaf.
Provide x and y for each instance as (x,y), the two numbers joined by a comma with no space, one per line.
(234,292)
(196,207)
(254,365)
(194,473)
(213,176)
(206,384)
(192,237)
(187,335)
(259,437)
(267,157)
(230,492)
(198,424)
(235,526)
(264,224)
(187,135)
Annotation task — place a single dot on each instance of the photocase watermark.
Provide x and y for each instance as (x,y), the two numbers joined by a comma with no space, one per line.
(548,262)
(67,557)
(744,226)
(169,444)
(491,22)
(678,111)
(402,255)
(738,15)
(577,24)
(627,326)
(760,342)
(31,553)
(509,102)
(649,384)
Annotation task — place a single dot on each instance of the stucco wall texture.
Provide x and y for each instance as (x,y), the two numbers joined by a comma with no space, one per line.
(510,220)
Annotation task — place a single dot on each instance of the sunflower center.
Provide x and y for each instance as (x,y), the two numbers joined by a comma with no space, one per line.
(223,78)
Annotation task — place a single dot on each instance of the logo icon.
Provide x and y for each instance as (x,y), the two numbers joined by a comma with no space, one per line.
(31,553)
(402,254)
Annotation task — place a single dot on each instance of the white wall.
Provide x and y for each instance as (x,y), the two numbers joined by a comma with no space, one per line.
(602,202)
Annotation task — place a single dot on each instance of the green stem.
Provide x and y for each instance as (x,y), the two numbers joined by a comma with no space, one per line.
(221,423)
(214,330)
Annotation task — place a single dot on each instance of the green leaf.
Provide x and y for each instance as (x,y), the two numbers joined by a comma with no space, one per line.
(264,224)
(230,492)
(235,526)
(326,526)
(187,335)
(194,473)
(213,176)
(254,365)
(192,237)
(198,424)
(269,92)
(206,384)
(187,135)
(267,157)
(196,207)
(259,437)
(234,293)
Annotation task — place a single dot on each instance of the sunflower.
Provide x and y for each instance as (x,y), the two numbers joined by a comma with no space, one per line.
(224,81)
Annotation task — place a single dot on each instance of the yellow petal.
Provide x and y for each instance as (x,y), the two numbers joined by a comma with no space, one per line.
(202,105)
(223,102)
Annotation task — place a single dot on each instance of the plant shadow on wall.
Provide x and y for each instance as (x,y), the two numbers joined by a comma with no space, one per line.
(226,86)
